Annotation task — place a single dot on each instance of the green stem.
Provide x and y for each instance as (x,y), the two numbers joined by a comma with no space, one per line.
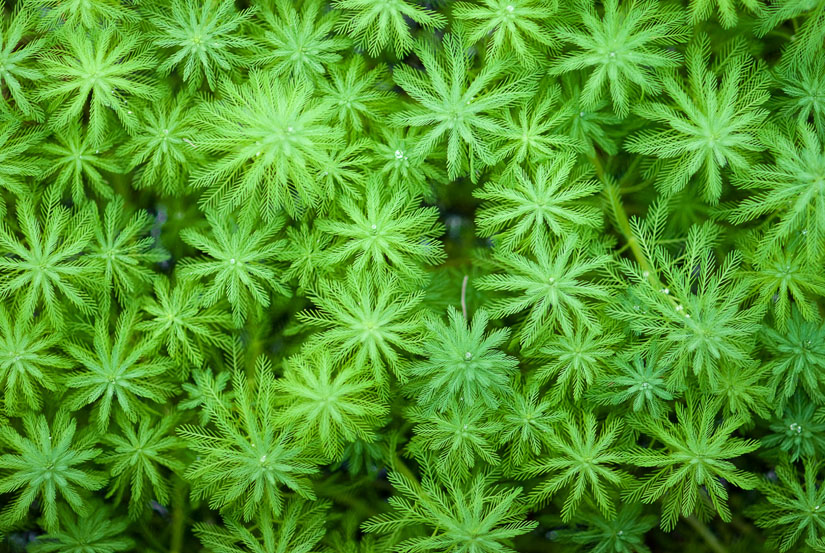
(624,226)
(635,188)
(620,215)
(398,465)
(709,537)
(178,516)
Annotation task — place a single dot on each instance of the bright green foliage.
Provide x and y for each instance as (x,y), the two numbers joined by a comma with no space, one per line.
(239,263)
(337,276)
(265,135)
(328,405)
(519,206)
(163,146)
(299,42)
(341,170)
(354,94)
(391,155)
(526,420)
(81,13)
(122,249)
(463,363)
(202,38)
(582,459)
(87,70)
(693,309)
(534,131)
(709,126)
(49,262)
(589,125)
(367,319)
(474,517)
(176,318)
(97,532)
(203,384)
(794,507)
(510,27)
(299,530)
(245,460)
(17,54)
(797,359)
(623,49)
(27,361)
(639,383)
(575,360)
(380,24)
(693,464)
(15,163)
(808,34)
(743,393)
(461,437)
(138,452)
(385,233)
(799,433)
(793,188)
(74,163)
(725,10)
(45,462)
(456,106)
(304,249)
(116,372)
(552,287)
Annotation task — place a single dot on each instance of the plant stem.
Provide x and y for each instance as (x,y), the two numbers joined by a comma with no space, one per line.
(624,226)
(399,466)
(709,537)
(464,295)
(620,215)
(178,516)
(613,192)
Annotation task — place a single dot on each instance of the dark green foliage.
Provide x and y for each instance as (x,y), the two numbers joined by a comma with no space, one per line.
(797,359)
(623,533)
(374,276)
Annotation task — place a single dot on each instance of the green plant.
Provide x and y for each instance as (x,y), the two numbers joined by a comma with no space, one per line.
(373,276)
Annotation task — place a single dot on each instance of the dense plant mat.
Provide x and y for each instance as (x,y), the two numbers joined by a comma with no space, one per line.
(365,276)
